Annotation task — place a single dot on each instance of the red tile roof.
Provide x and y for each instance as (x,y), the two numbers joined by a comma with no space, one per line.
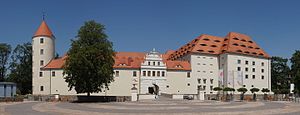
(56,63)
(233,43)
(127,60)
(43,30)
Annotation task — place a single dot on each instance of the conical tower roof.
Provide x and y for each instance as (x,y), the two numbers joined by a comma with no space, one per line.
(43,30)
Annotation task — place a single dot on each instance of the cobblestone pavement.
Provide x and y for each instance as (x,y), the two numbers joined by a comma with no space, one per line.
(174,107)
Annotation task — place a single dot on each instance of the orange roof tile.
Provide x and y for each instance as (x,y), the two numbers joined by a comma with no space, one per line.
(43,30)
(127,60)
(56,63)
(178,65)
(233,43)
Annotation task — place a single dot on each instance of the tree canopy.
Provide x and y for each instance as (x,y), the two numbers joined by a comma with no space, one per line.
(253,90)
(242,89)
(89,66)
(295,69)
(21,68)
(280,73)
(5,50)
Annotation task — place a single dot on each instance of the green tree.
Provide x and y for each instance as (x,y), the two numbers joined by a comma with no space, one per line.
(280,73)
(21,68)
(218,89)
(243,91)
(5,50)
(295,69)
(253,90)
(89,66)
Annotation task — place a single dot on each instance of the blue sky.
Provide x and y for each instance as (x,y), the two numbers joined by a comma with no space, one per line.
(140,25)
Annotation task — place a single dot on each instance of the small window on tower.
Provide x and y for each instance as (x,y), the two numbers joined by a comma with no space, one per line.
(162,73)
(41,74)
(42,62)
(144,73)
(42,40)
(42,52)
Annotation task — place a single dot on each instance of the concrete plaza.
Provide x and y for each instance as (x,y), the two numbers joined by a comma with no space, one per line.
(150,107)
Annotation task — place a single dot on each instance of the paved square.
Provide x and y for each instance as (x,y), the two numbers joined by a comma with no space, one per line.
(150,107)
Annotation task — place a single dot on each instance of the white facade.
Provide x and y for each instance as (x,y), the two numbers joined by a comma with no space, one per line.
(43,49)
(154,73)
(246,71)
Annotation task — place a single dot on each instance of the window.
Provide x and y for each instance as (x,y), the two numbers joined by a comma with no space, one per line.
(167,86)
(262,77)
(144,73)
(252,85)
(204,81)
(153,73)
(41,40)
(158,63)
(253,76)
(211,88)
(246,62)
(158,73)
(117,73)
(154,63)
(239,61)
(42,88)
(199,81)
(244,85)
(53,73)
(238,68)
(262,64)
(41,74)
(204,87)
(262,70)
(134,74)
(149,73)
(246,76)
(211,81)
(253,63)
(188,84)
(188,74)
(163,73)
(42,62)
(246,69)
(148,62)
(42,52)
(253,69)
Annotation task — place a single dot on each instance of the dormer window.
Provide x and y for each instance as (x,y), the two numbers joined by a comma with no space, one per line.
(178,66)
(206,39)
(213,46)
(235,38)
(235,44)
(203,44)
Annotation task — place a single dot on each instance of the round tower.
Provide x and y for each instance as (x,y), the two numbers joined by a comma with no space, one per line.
(43,51)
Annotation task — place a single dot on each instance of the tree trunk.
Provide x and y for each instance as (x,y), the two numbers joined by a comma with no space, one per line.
(88,94)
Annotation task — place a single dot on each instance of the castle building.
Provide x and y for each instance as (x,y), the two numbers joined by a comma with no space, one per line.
(197,67)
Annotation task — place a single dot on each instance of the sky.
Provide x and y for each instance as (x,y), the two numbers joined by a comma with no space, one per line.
(141,25)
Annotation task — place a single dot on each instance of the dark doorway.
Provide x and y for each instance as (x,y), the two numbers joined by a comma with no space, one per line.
(150,90)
